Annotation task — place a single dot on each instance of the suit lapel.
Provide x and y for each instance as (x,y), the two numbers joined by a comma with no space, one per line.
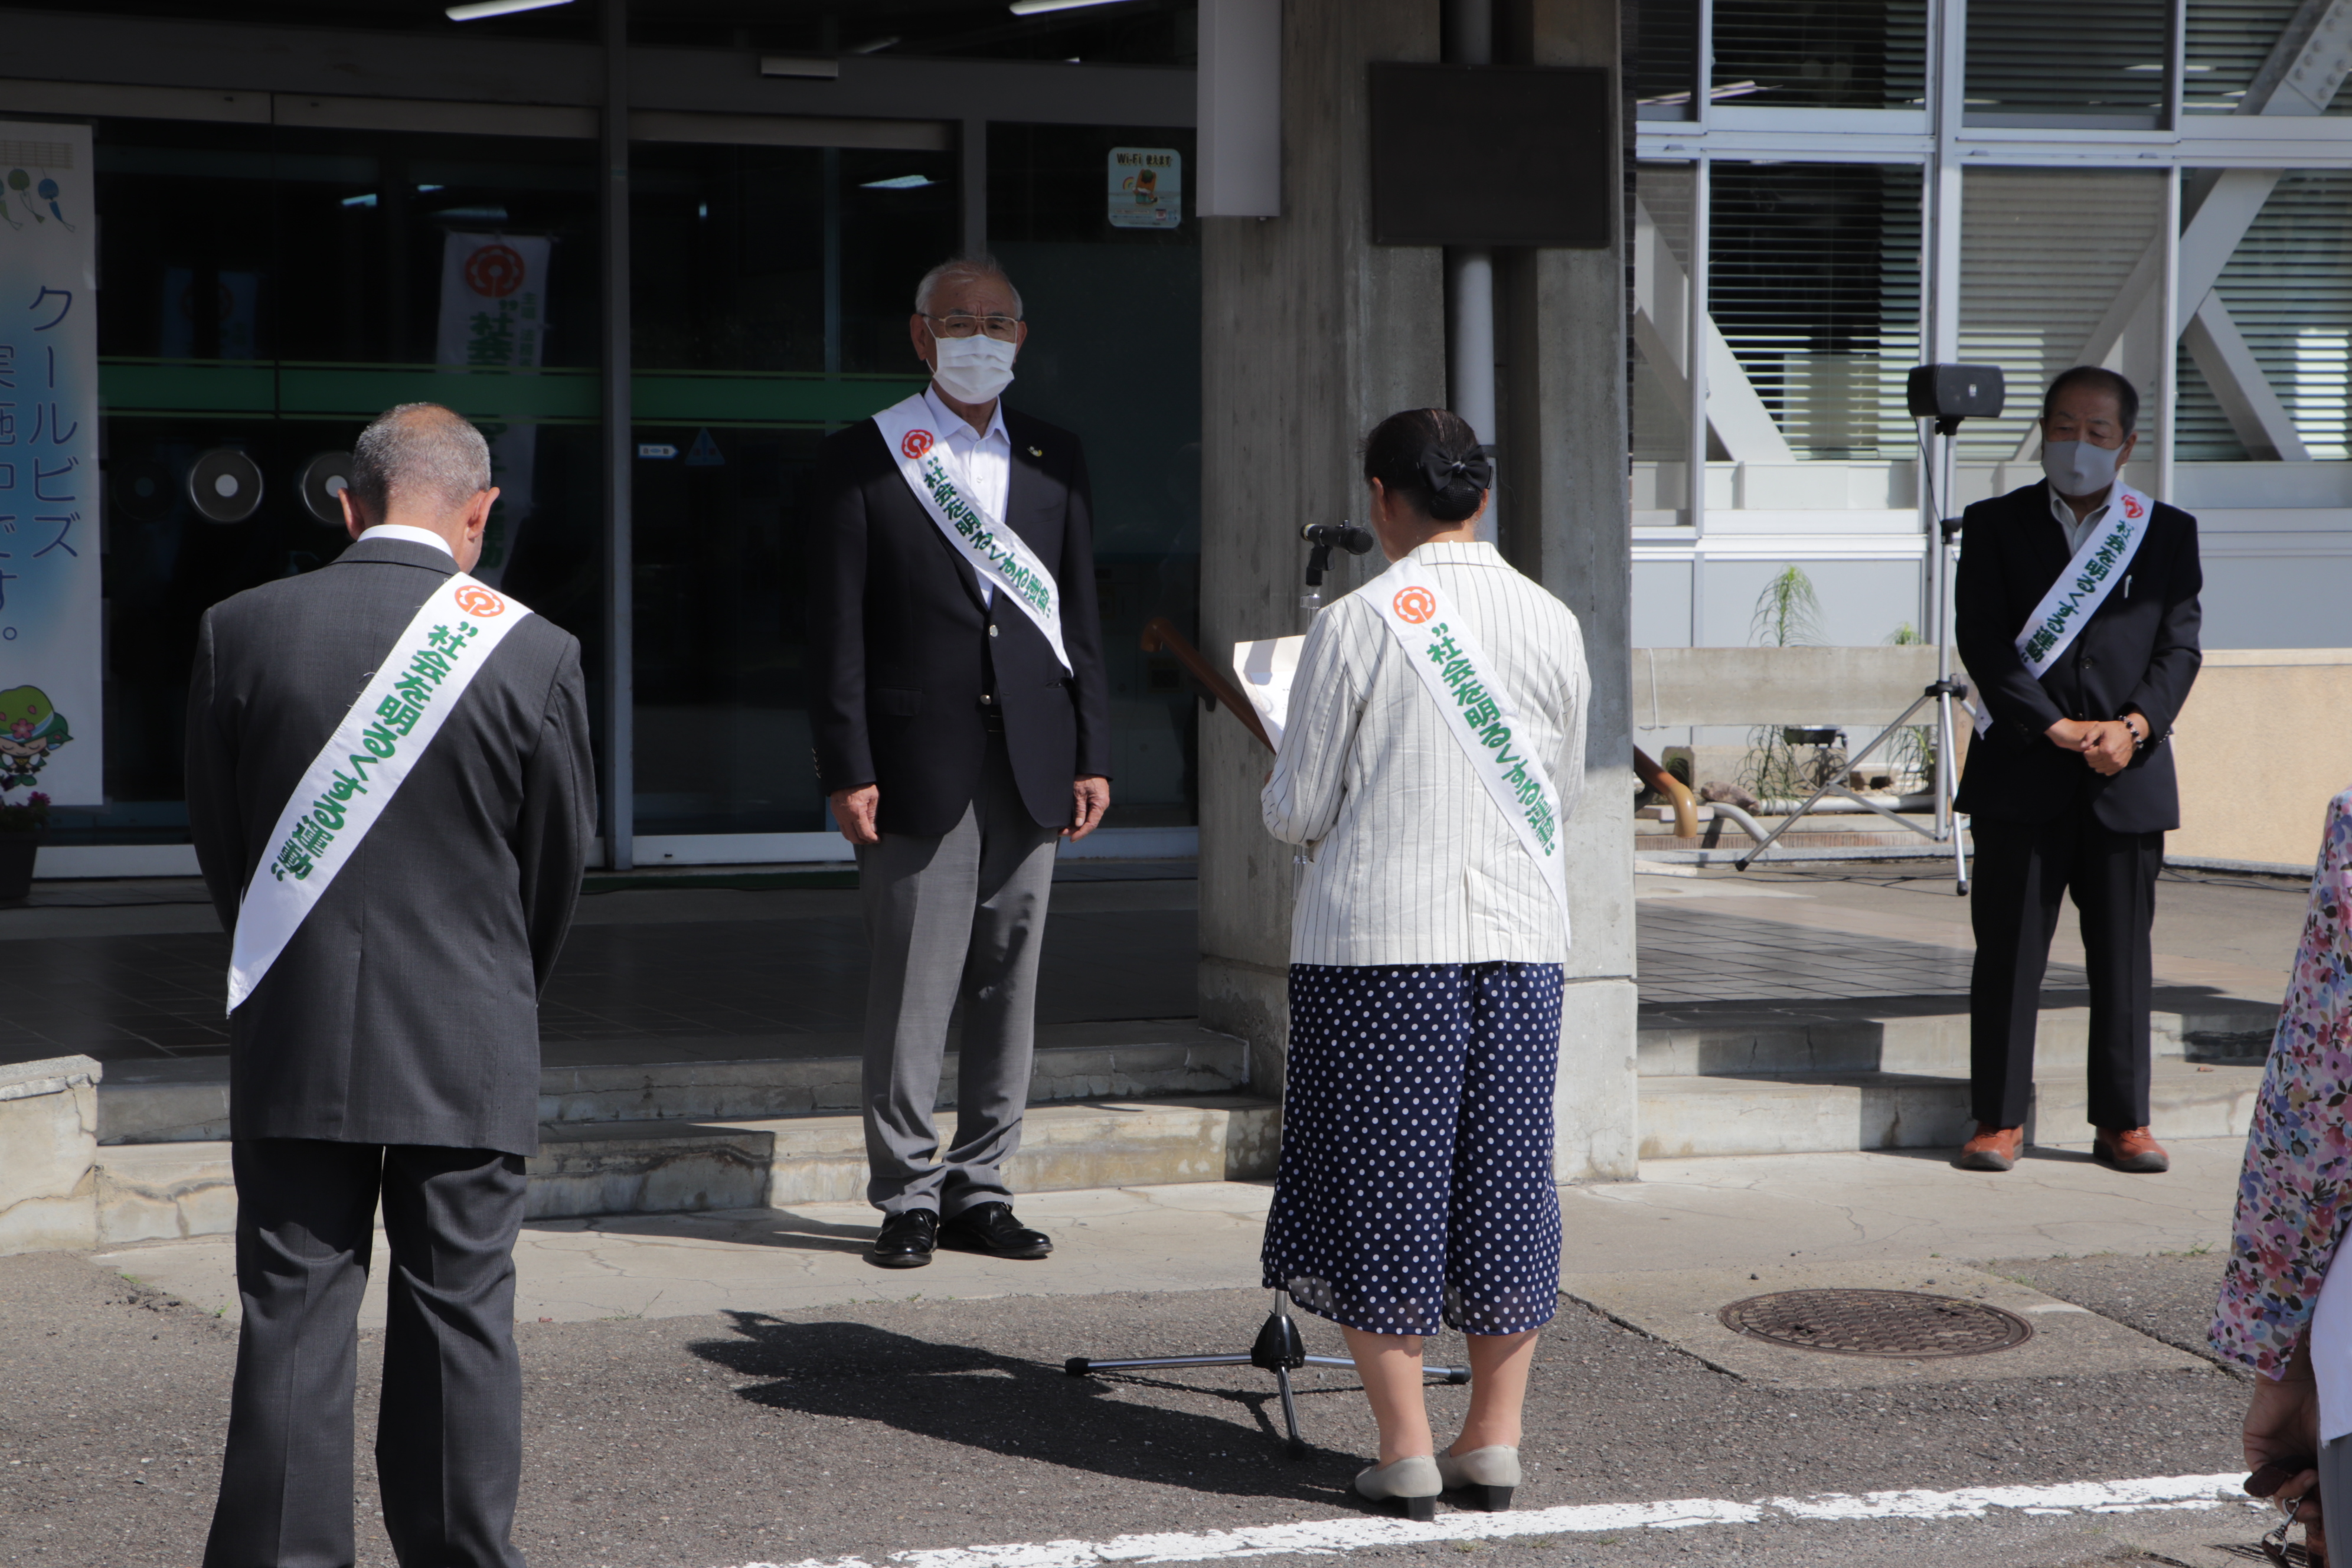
(1024,497)
(2042,545)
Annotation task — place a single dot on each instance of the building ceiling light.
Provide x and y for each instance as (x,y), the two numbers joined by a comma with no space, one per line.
(874,46)
(1039,7)
(476,10)
(899,183)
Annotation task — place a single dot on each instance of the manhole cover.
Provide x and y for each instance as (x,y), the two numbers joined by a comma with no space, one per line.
(1901,1323)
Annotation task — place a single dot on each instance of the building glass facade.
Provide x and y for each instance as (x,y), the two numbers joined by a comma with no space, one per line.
(2155,185)
(281,193)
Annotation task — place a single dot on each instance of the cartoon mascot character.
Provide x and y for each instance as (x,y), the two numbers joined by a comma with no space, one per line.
(31,730)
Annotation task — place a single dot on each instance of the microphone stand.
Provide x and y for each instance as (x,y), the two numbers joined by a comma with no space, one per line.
(1277,1349)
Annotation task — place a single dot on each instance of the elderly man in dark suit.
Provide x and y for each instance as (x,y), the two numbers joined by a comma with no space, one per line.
(2076,614)
(391,794)
(962,724)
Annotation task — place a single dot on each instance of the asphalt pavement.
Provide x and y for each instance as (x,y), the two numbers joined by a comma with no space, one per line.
(898,1429)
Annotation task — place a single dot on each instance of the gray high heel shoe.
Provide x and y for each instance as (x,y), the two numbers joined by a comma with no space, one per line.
(1412,1481)
(1493,1473)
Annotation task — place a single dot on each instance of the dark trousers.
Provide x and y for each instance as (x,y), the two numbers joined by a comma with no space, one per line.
(448,1450)
(2022,873)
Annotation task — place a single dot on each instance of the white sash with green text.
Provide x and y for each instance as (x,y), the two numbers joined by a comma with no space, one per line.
(2081,588)
(1446,656)
(364,764)
(997,552)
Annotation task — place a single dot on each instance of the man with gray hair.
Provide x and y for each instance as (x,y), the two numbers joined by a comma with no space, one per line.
(391,794)
(962,725)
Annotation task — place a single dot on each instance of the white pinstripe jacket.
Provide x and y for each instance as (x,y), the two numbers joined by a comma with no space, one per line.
(1412,861)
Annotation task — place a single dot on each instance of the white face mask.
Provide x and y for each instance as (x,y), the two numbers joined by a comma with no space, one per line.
(2079,468)
(973,369)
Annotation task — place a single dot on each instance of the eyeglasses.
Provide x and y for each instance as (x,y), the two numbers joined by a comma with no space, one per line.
(1003,329)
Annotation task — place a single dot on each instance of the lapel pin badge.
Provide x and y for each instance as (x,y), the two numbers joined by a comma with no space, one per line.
(1036,451)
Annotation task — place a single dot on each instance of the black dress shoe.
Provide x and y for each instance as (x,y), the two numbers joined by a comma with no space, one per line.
(906,1241)
(991,1229)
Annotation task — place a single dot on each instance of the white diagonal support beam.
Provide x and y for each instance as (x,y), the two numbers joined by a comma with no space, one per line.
(2260,421)
(2300,78)
(1661,295)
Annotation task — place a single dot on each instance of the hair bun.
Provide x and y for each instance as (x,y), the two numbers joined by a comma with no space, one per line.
(1446,469)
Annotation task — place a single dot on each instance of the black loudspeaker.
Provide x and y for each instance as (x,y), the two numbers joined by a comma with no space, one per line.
(225,486)
(1493,155)
(324,479)
(139,489)
(1955,392)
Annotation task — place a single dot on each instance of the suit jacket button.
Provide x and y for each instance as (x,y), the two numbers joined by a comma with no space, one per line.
(992,628)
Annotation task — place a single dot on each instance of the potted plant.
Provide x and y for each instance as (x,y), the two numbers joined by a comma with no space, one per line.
(23,825)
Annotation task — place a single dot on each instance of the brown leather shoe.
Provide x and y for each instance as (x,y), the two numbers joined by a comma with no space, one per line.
(2130,1149)
(1992,1149)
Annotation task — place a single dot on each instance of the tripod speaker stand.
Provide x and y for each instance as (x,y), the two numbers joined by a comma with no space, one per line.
(1944,395)
(1278,1350)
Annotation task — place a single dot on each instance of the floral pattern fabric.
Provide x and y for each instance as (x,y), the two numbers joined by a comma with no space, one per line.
(2291,1192)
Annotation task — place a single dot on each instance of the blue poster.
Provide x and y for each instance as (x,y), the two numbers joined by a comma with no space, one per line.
(50,729)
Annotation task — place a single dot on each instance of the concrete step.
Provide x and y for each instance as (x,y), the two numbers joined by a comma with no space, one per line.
(151,1191)
(1686,1117)
(1794,1038)
(184,1101)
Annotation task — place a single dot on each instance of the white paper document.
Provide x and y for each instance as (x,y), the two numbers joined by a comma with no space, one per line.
(1266,668)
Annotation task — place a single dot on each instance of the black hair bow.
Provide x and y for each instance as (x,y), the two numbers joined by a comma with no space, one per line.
(1441,468)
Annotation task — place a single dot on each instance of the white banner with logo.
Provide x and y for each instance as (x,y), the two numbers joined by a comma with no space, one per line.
(494,314)
(2081,588)
(364,764)
(1450,662)
(51,639)
(937,480)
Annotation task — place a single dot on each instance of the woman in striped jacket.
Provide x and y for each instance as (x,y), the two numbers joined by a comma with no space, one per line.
(1432,754)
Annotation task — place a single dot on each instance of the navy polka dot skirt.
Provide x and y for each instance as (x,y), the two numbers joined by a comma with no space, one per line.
(1416,1187)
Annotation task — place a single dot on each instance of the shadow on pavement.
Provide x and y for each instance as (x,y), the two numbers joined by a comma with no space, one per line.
(1117,1426)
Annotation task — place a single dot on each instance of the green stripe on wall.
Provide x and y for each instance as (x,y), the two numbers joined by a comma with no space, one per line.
(291,390)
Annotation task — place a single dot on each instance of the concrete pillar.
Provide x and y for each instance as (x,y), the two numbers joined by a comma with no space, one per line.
(1561,333)
(1310,335)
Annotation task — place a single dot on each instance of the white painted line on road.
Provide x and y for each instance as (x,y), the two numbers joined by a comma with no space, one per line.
(1335,1535)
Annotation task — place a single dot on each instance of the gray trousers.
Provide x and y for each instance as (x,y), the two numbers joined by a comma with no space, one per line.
(448,1449)
(958,918)
(2335,1497)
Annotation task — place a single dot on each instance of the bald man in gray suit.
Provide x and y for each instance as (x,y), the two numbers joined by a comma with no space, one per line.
(426,739)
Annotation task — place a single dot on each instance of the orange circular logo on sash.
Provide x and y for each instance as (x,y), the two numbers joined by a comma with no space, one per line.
(1415,605)
(476,600)
(916,443)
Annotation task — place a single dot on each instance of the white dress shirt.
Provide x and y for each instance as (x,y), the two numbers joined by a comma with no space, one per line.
(1413,862)
(407,535)
(2076,531)
(987,459)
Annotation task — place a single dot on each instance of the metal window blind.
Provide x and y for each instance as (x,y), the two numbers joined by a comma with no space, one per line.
(2289,289)
(2228,40)
(2044,253)
(2097,61)
(1814,282)
(1665,58)
(1821,54)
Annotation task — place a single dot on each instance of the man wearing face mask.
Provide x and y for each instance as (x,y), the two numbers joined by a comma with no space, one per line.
(2076,615)
(962,725)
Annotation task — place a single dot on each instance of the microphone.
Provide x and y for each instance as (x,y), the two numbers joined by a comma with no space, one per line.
(1324,536)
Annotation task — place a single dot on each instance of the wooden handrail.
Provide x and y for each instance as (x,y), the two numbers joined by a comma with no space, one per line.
(1673,789)
(1159,632)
